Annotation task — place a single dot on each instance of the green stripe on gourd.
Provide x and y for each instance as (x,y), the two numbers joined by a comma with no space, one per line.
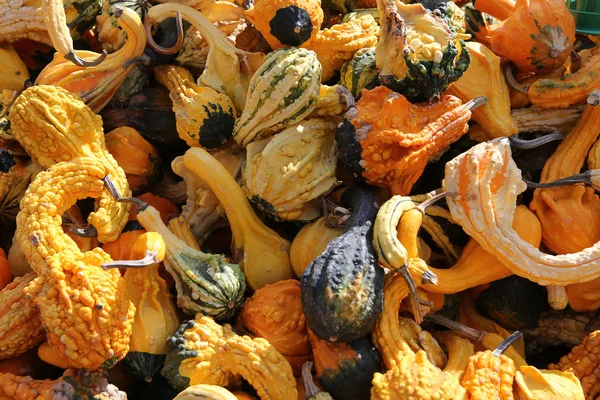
(360,72)
(283,91)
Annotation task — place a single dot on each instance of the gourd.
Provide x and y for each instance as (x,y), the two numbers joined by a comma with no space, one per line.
(204,352)
(479,24)
(311,241)
(342,287)
(582,361)
(95,296)
(338,44)
(274,312)
(285,175)
(532,383)
(96,84)
(333,102)
(209,392)
(496,236)
(396,337)
(205,283)
(5,275)
(204,116)
(426,381)
(567,90)
(286,22)
(360,72)
(534,118)
(15,176)
(281,93)
(559,207)
(519,86)
(228,69)
(387,140)
(202,209)
(39,119)
(155,315)
(262,253)
(14,72)
(138,158)
(458,348)
(417,55)
(537,36)
(20,323)
(345,369)
(490,374)
(484,78)
(513,302)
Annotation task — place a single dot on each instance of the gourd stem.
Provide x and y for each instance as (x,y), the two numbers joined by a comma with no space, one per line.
(476,102)
(512,82)
(415,300)
(143,59)
(75,59)
(113,190)
(335,215)
(594,98)
(148,21)
(432,200)
(471,333)
(506,343)
(150,258)
(140,205)
(309,386)
(586,177)
(523,144)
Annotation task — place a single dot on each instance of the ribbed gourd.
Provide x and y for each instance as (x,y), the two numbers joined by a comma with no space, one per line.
(287,174)
(360,72)
(342,289)
(282,92)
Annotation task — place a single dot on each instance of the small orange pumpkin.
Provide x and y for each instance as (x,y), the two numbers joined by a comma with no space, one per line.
(537,36)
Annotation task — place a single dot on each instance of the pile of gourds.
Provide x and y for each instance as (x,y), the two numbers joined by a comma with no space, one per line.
(298,199)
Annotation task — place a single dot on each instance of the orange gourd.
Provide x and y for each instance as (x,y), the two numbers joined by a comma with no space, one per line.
(5,275)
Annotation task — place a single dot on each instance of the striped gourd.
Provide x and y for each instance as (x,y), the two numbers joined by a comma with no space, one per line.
(360,72)
(282,92)
(205,283)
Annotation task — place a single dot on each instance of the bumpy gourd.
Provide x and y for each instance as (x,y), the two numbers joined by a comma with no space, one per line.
(337,44)
(388,140)
(54,125)
(360,72)
(418,55)
(333,102)
(569,89)
(13,71)
(90,323)
(96,85)
(282,92)
(484,77)
(425,381)
(204,116)
(286,22)
(20,325)
(488,168)
(261,252)
(582,361)
(206,283)
(139,159)
(286,175)
(208,392)
(274,312)
(203,352)
(155,314)
(202,209)
(537,36)
(534,118)
(228,69)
